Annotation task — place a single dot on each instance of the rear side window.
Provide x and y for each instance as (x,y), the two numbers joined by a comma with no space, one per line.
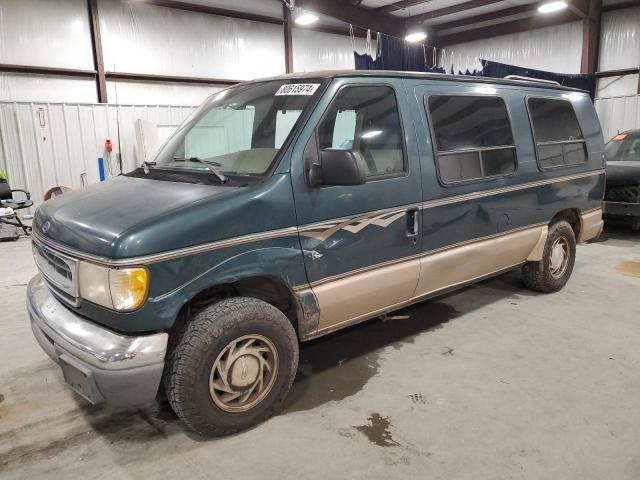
(473,137)
(559,140)
(366,118)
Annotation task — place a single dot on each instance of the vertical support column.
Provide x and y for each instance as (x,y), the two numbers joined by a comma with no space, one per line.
(591,38)
(96,44)
(288,39)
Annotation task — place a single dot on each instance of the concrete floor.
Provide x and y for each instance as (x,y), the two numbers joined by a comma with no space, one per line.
(492,382)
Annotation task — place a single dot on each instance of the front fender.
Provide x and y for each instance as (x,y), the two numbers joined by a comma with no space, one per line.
(191,275)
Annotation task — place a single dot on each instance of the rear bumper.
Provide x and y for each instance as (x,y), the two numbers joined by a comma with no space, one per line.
(97,363)
(626,209)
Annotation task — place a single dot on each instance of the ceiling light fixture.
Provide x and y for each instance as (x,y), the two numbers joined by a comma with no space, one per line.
(414,37)
(552,7)
(304,18)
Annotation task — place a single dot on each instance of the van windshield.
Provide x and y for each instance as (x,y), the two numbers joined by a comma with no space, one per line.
(238,131)
(624,147)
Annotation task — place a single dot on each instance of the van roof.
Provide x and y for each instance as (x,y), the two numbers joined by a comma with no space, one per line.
(424,75)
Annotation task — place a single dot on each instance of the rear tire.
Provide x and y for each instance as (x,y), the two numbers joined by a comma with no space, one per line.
(233,366)
(552,272)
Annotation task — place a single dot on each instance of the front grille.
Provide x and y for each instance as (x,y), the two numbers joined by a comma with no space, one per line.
(58,271)
(627,193)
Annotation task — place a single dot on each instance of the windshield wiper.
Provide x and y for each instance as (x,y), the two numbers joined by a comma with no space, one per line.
(208,163)
(146,165)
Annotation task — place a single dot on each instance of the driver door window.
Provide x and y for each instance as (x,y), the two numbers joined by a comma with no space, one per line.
(366,119)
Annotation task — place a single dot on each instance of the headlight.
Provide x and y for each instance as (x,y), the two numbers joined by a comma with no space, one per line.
(121,289)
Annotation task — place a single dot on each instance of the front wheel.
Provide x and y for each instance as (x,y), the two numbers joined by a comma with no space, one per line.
(233,366)
(552,272)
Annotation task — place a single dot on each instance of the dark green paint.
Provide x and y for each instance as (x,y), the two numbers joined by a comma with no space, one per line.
(131,217)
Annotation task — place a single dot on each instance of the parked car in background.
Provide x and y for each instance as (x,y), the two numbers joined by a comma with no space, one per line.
(622,193)
(285,209)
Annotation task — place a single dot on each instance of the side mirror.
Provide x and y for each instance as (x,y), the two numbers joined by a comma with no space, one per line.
(338,167)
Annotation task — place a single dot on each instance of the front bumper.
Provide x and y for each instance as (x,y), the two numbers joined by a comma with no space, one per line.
(626,209)
(97,363)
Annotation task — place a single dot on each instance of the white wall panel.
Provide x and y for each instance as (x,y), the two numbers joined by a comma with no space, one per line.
(618,114)
(620,39)
(147,39)
(156,93)
(554,49)
(18,87)
(313,51)
(37,157)
(321,51)
(618,85)
(50,33)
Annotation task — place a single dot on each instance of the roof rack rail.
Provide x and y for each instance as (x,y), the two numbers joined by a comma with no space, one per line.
(530,79)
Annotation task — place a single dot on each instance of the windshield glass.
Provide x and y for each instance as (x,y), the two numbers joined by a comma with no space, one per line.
(623,148)
(240,130)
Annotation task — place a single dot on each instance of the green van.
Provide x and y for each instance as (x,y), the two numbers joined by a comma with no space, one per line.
(287,208)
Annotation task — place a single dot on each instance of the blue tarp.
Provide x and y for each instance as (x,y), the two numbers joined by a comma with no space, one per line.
(396,54)
(583,81)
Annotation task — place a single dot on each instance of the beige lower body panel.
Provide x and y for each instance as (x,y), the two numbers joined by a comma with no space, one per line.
(591,224)
(361,295)
(460,264)
(352,296)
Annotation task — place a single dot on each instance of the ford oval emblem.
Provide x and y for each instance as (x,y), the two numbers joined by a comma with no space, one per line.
(46,226)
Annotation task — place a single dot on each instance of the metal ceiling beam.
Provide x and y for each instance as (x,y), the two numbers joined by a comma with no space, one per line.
(223,12)
(620,6)
(177,5)
(532,23)
(358,16)
(579,8)
(498,14)
(441,12)
(400,5)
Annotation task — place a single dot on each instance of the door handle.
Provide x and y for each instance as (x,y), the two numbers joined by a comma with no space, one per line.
(412,222)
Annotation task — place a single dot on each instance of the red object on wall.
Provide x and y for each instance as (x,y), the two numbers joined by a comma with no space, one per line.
(107,146)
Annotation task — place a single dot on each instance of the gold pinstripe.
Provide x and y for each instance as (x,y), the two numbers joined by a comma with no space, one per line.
(306,230)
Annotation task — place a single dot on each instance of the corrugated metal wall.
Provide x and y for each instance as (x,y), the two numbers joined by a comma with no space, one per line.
(46,144)
(149,39)
(555,49)
(617,97)
(618,114)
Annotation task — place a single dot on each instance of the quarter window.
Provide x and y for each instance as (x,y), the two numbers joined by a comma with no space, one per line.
(366,119)
(473,137)
(559,140)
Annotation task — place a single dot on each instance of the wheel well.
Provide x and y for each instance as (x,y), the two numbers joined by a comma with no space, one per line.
(269,289)
(571,216)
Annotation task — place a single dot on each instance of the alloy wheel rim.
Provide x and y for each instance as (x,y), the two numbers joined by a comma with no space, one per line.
(244,373)
(559,259)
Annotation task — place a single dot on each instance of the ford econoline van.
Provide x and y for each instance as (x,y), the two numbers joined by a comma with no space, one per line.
(287,208)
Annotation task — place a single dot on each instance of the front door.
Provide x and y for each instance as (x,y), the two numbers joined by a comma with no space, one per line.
(361,243)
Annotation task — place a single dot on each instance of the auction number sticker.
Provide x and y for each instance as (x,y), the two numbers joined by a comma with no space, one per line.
(298,89)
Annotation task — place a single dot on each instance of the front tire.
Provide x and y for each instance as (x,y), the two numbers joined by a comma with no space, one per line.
(233,366)
(552,272)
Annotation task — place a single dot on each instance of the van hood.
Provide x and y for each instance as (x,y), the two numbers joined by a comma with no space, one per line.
(623,173)
(129,217)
